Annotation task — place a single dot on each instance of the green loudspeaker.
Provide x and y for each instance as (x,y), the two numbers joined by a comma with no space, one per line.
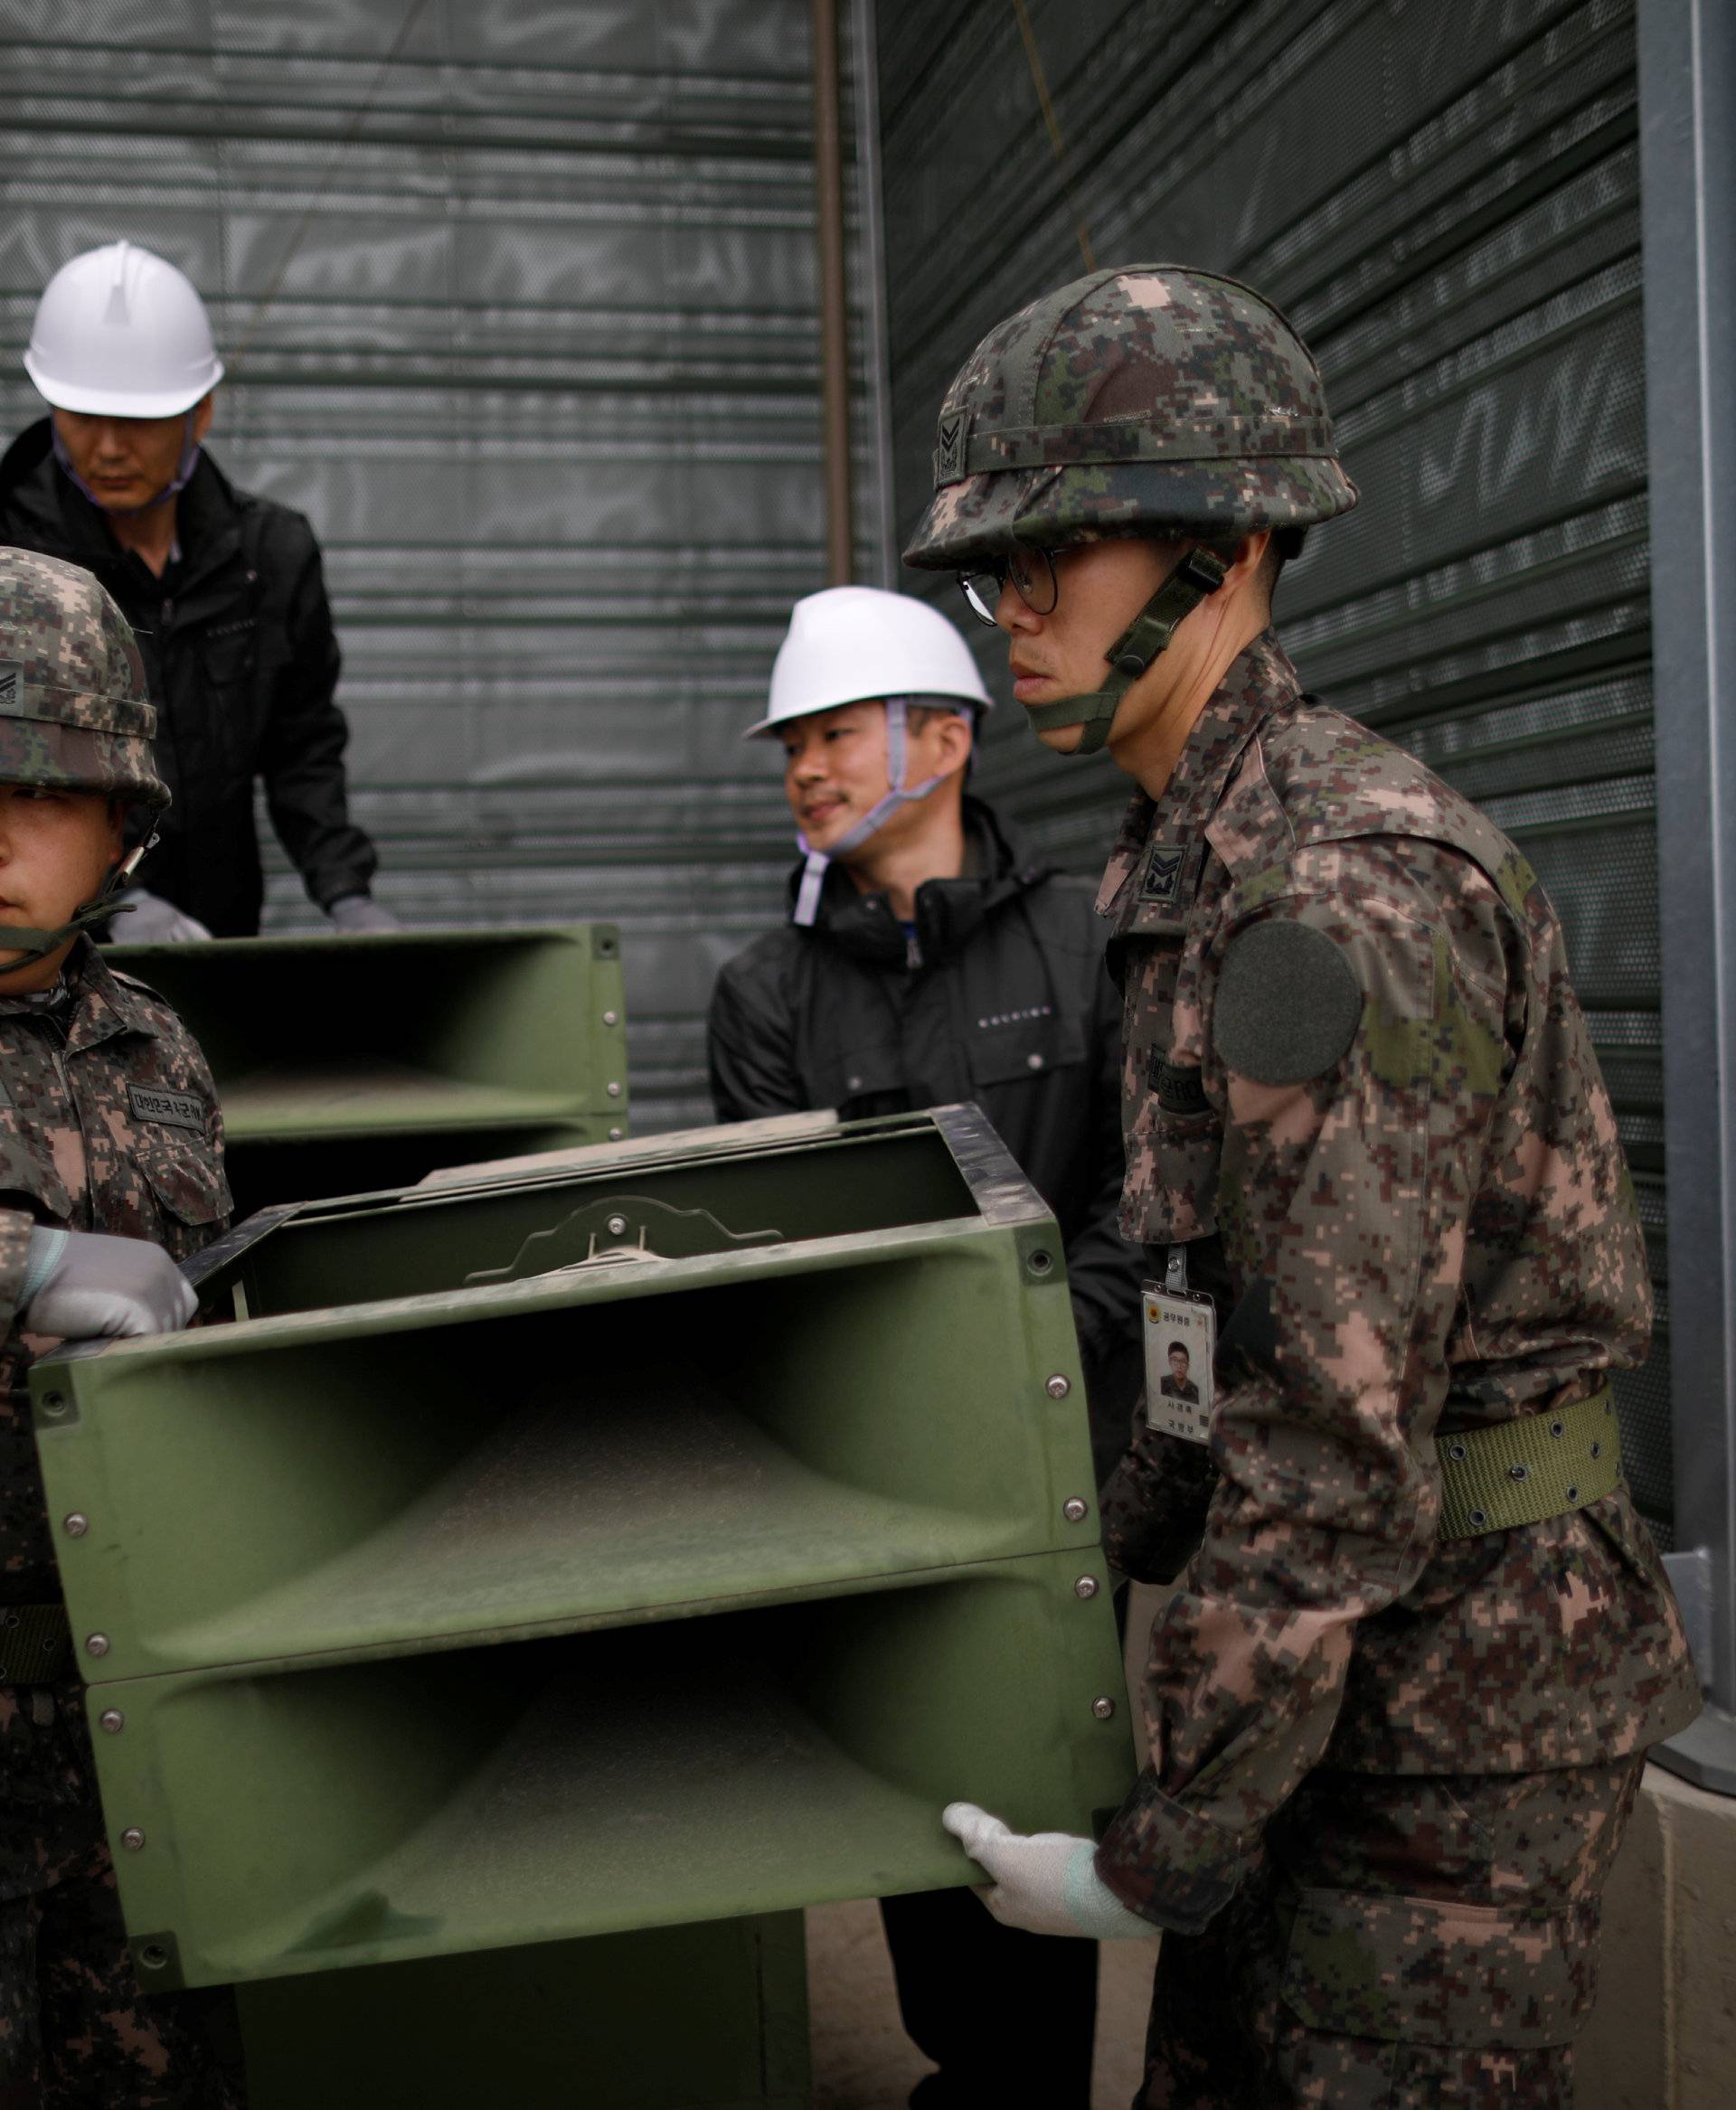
(675,1528)
(451,1045)
(705,2016)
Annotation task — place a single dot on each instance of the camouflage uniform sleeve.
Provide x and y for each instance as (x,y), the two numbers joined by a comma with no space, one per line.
(1342,1204)
(1153,1503)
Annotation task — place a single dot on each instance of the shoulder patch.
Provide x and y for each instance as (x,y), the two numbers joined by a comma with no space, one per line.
(1287,1004)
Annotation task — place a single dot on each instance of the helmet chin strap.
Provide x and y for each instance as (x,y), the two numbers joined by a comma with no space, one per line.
(1201,571)
(36,945)
(807,895)
(177,483)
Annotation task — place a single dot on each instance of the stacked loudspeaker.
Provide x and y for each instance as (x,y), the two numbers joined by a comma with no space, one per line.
(352,1063)
(673,1530)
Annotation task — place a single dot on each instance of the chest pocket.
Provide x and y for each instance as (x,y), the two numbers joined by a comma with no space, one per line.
(227,651)
(1023,1045)
(184,1186)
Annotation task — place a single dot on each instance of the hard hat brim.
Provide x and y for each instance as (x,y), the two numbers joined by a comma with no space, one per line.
(116,402)
(931,699)
(990,514)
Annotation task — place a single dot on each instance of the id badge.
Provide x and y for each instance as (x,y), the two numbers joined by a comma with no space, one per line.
(1181,1337)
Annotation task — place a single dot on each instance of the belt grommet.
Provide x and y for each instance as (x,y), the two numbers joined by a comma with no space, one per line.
(1518,1472)
(1573,1494)
(1455,1452)
(1480,1517)
(1596,1450)
(1555,1428)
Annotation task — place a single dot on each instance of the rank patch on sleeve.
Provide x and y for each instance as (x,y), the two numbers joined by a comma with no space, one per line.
(1162,879)
(179,1109)
(1289,1003)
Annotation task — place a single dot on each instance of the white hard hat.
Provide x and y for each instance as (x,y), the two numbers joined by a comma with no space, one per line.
(852,643)
(120,333)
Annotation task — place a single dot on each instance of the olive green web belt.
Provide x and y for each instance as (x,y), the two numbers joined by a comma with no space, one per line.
(1522,1472)
(35,1645)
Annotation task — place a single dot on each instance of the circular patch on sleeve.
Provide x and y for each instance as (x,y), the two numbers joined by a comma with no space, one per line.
(1287,1004)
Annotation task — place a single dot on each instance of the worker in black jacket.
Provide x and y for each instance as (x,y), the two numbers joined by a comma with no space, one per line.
(224,589)
(932,958)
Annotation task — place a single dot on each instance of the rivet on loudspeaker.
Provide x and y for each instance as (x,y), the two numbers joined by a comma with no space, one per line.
(613,1090)
(611,1018)
(1103,1707)
(1075,1509)
(132,1839)
(617,1226)
(76,1525)
(1059,1387)
(1086,1586)
(614,1136)
(112,1719)
(95,1644)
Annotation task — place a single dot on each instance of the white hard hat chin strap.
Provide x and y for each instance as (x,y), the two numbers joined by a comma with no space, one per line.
(807,895)
(183,473)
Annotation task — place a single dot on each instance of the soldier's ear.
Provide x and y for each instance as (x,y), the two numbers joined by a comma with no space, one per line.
(1248,563)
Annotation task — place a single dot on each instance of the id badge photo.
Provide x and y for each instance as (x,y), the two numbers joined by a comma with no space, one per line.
(1181,1334)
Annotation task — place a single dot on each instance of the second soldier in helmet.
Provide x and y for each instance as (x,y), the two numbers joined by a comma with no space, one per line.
(112,1143)
(1398,1703)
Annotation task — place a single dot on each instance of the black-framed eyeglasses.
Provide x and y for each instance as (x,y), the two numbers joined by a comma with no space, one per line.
(1033,576)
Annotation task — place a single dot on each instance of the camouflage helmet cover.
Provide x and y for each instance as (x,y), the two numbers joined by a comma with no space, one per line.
(1151,400)
(72,711)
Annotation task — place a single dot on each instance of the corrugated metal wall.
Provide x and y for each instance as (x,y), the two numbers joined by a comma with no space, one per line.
(542,372)
(1445,202)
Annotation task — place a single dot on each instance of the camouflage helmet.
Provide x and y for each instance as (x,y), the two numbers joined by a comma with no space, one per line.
(1153,400)
(72,711)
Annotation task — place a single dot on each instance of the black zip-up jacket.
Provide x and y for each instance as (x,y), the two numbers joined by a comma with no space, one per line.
(1001,996)
(243,664)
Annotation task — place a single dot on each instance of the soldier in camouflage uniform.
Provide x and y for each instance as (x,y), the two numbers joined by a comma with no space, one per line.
(1399,1701)
(112,1149)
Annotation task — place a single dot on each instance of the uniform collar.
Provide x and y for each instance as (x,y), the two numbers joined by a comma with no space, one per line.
(1261,681)
(102,1005)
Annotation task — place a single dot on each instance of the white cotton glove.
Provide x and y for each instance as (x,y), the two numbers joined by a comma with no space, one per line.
(153,920)
(358,912)
(1044,1881)
(81,1286)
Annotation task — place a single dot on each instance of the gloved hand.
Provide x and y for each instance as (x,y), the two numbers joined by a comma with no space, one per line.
(1044,1881)
(360,913)
(81,1286)
(153,920)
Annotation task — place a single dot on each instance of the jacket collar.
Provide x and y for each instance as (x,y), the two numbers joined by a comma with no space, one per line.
(96,1002)
(1261,680)
(999,866)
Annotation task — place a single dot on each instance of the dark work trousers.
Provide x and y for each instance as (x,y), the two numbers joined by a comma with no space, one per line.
(1008,2016)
